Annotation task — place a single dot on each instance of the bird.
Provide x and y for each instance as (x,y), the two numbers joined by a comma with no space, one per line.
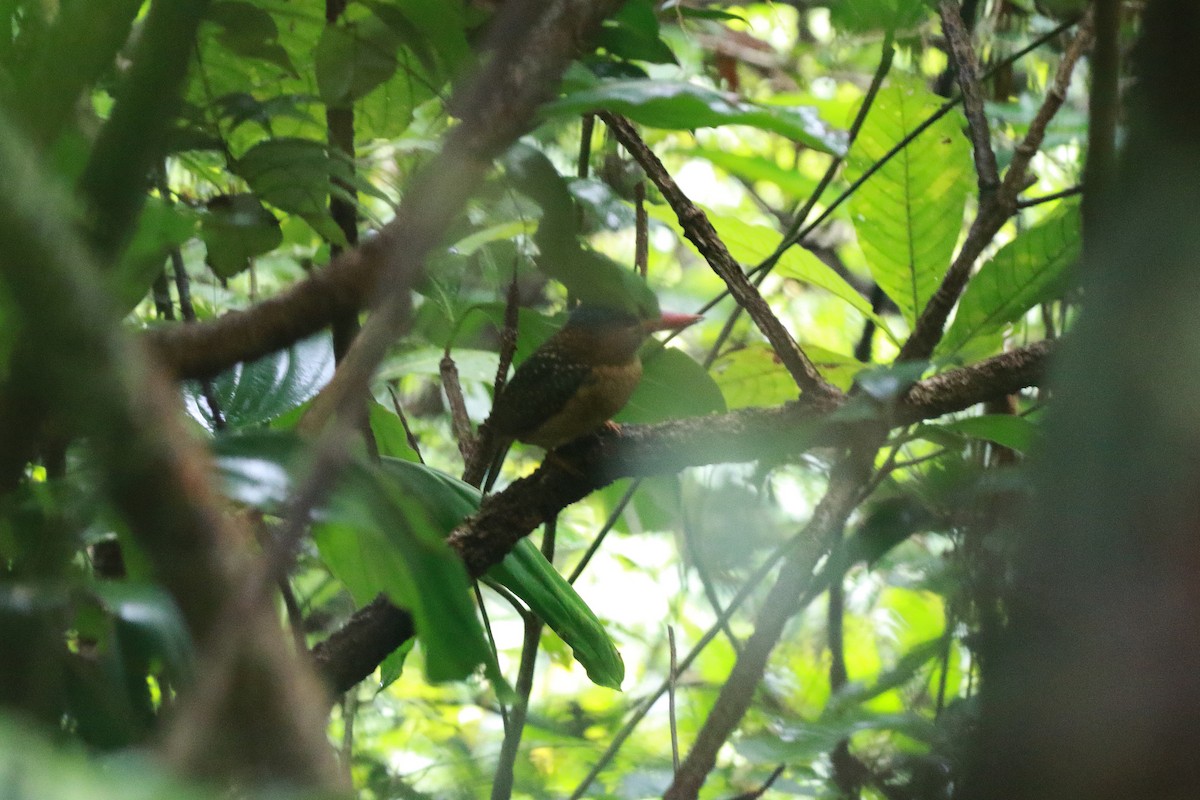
(576,381)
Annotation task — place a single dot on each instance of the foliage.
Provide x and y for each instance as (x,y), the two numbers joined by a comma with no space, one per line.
(235,189)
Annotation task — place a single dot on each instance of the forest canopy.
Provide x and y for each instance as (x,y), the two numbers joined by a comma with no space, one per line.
(568,398)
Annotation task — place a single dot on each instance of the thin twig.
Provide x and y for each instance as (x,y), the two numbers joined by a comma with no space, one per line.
(585,145)
(408,433)
(744,593)
(792,235)
(460,420)
(641,229)
(1050,198)
(503,784)
(790,593)
(673,680)
(692,547)
(760,791)
(604,531)
(967,68)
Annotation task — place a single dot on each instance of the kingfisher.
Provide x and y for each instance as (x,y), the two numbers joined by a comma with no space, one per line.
(576,381)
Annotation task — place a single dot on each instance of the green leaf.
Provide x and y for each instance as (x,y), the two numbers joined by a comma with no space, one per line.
(676,105)
(352,58)
(870,15)
(753,376)
(908,215)
(886,524)
(1029,270)
(1006,430)
(390,437)
(250,394)
(250,31)
(439,27)
(376,534)
(589,276)
(751,244)
(845,708)
(840,369)
(469,245)
(527,573)
(36,767)
(673,385)
(384,530)
(236,229)
(474,365)
(291,174)
(632,34)
(161,228)
(150,624)
(392,667)
(756,168)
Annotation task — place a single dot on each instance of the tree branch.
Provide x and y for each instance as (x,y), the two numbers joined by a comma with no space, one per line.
(783,601)
(967,66)
(641,450)
(701,233)
(994,209)
(97,382)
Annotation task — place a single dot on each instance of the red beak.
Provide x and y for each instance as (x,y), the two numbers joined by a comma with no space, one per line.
(670,322)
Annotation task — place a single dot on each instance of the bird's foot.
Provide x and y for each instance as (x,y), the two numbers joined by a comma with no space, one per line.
(611,427)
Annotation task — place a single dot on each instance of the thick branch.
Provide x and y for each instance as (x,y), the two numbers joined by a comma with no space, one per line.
(495,109)
(641,450)
(97,382)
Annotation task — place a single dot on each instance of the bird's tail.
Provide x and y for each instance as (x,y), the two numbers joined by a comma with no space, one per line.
(484,465)
(494,467)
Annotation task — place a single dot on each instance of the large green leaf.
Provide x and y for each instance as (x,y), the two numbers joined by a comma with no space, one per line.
(677,105)
(757,168)
(527,573)
(295,175)
(353,58)
(1007,430)
(751,243)
(754,376)
(150,626)
(250,31)
(673,385)
(236,229)
(375,535)
(36,768)
(632,33)
(589,276)
(868,15)
(250,394)
(908,215)
(384,530)
(161,228)
(1030,269)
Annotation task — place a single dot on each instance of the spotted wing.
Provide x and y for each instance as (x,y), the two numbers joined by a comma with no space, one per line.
(540,388)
